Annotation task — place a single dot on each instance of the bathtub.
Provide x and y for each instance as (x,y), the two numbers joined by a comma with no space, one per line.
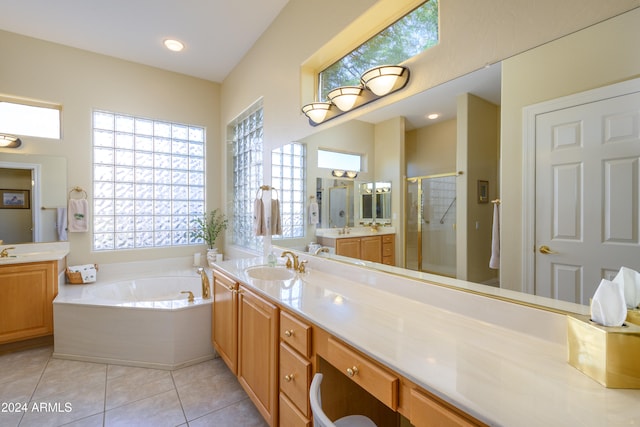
(144,322)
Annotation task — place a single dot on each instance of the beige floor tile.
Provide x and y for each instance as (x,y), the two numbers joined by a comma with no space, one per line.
(210,368)
(239,414)
(157,411)
(209,394)
(92,421)
(10,419)
(137,384)
(62,375)
(24,363)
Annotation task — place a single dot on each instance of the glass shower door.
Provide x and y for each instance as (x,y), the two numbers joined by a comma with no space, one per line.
(431,224)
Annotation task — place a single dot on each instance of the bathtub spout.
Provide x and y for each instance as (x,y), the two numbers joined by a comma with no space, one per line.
(206,288)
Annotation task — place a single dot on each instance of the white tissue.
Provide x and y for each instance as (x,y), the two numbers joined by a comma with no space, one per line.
(630,280)
(608,307)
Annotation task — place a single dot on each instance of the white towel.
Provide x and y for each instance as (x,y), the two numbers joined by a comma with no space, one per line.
(276,220)
(78,214)
(259,224)
(87,271)
(61,223)
(494,262)
(313,213)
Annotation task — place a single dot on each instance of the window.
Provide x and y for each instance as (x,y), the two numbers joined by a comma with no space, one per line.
(336,160)
(29,118)
(288,177)
(247,175)
(416,32)
(148,181)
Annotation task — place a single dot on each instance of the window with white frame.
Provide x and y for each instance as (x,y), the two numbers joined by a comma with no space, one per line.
(288,177)
(247,138)
(30,118)
(148,181)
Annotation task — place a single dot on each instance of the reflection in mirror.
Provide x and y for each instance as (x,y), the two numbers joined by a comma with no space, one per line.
(375,203)
(44,177)
(335,202)
(494,95)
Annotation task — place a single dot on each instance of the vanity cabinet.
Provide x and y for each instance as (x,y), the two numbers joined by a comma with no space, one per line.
(26,300)
(377,248)
(258,352)
(224,319)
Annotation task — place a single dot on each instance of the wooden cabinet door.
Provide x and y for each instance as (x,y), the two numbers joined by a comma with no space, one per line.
(371,248)
(224,328)
(26,300)
(349,247)
(258,352)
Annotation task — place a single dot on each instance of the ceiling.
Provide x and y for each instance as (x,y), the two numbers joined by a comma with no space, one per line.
(216,33)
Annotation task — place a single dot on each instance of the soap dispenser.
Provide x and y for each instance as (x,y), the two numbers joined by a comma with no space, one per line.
(272,259)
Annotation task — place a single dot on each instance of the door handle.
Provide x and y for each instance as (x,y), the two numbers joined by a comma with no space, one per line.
(545,250)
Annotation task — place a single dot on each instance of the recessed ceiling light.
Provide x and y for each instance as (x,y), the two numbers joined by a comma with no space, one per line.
(173,45)
(433,116)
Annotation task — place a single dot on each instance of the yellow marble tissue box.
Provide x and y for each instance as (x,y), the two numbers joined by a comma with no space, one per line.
(609,355)
(633,316)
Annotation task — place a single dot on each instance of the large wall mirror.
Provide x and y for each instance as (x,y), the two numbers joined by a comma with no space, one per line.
(42,180)
(477,143)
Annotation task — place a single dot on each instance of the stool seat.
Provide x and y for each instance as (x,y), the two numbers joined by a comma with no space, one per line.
(320,419)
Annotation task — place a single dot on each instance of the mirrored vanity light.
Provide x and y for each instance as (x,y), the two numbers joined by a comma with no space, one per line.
(345,97)
(385,78)
(9,141)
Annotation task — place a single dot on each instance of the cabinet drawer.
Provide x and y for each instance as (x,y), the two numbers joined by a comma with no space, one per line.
(295,377)
(365,373)
(426,412)
(295,333)
(387,250)
(290,416)
(387,238)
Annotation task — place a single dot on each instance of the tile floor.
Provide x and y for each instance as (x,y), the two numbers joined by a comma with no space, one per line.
(37,390)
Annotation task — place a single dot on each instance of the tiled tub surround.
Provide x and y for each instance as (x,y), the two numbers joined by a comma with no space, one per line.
(131,318)
(503,363)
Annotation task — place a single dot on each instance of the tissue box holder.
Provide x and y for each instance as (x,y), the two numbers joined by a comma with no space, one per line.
(609,355)
(75,277)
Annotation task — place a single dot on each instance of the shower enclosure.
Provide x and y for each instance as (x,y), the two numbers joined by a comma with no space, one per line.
(430,243)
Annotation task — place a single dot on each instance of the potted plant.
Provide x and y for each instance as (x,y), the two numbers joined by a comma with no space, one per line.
(207,228)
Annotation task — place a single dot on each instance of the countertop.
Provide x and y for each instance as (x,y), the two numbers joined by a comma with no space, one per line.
(504,363)
(35,252)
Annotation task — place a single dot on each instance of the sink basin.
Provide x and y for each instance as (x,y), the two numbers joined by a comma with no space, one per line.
(263,272)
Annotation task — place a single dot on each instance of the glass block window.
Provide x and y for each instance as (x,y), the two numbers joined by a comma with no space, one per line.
(288,177)
(412,34)
(247,139)
(148,181)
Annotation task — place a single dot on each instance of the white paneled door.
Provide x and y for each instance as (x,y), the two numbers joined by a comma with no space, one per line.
(587,195)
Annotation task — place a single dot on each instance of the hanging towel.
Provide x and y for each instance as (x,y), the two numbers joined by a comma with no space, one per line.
(494,262)
(313,213)
(276,220)
(259,224)
(61,223)
(78,215)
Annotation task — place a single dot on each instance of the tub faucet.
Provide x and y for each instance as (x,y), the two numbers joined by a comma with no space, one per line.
(5,252)
(321,249)
(206,288)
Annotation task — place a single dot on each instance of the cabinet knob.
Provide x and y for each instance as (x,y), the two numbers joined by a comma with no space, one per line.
(288,378)
(352,371)
(288,333)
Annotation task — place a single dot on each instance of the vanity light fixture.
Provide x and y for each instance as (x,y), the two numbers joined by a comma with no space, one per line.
(375,83)
(316,111)
(9,141)
(173,45)
(383,79)
(338,173)
(352,174)
(345,97)
(344,174)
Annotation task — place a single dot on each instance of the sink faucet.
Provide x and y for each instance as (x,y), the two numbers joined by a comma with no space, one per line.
(206,288)
(5,252)
(293,257)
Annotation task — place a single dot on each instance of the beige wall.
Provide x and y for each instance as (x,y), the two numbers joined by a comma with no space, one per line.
(83,81)
(432,149)
(603,54)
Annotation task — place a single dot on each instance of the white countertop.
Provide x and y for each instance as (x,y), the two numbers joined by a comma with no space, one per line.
(336,233)
(504,363)
(35,252)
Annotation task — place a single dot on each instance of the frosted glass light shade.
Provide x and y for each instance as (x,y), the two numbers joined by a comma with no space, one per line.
(316,111)
(345,97)
(381,80)
(10,141)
